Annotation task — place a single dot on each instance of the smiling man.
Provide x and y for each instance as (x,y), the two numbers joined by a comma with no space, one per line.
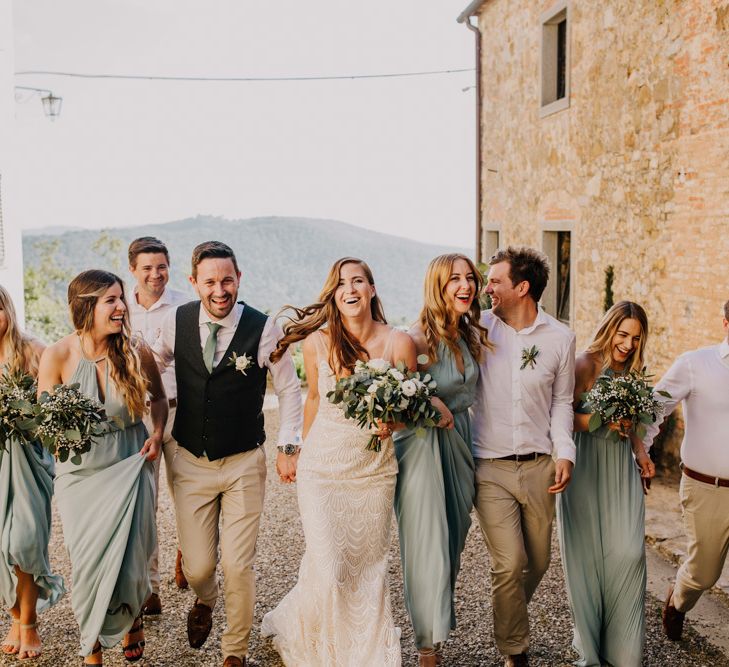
(221,349)
(151,301)
(522,437)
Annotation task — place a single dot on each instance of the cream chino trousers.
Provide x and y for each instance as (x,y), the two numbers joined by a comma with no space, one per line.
(706,517)
(515,512)
(169,445)
(228,493)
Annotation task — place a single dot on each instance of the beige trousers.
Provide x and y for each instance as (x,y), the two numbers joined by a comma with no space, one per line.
(169,445)
(706,517)
(515,512)
(230,491)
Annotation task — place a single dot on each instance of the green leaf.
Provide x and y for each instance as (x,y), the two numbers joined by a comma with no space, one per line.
(610,411)
(664,393)
(76,459)
(595,422)
(73,434)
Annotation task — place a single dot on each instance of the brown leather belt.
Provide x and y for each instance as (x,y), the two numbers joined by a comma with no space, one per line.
(521,457)
(706,479)
(172,403)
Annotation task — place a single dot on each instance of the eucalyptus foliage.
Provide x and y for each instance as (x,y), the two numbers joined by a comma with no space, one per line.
(378,393)
(18,408)
(622,399)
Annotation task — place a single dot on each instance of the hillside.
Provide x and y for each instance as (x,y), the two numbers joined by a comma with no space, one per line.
(283,260)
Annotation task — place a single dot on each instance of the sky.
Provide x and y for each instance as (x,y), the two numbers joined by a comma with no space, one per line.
(394,155)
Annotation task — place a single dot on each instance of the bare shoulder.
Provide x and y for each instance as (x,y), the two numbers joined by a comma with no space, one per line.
(308,345)
(418,335)
(401,340)
(59,351)
(585,367)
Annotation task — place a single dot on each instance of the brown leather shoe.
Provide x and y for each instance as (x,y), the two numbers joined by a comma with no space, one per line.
(518,660)
(232,661)
(672,618)
(180,578)
(153,605)
(199,624)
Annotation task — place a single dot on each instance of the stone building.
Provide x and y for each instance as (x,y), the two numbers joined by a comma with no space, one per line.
(604,140)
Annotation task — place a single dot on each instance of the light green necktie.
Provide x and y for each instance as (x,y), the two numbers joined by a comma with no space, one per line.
(210,345)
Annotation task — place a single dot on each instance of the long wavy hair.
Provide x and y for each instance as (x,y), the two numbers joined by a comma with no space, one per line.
(84,292)
(610,323)
(438,319)
(17,347)
(344,348)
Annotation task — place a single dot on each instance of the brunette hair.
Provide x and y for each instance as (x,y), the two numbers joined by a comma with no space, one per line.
(123,357)
(212,249)
(609,324)
(525,264)
(437,318)
(726,310)
(16,346)
(146,244)
(344,349)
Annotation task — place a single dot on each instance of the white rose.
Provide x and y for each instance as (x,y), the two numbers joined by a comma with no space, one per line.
(403,403)
(409,388)
(378,365)
(396,374)
(242,363)
(372,389)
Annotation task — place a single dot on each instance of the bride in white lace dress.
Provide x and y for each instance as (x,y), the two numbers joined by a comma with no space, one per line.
(338,614)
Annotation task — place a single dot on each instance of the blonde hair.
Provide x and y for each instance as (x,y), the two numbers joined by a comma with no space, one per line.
(344,348)
(16,346)
(437,318)
(122,349)
(603,337)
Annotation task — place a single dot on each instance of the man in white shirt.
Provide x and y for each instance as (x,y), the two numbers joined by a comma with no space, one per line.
(150,302)
(522,419)
(221,349)
(700,379)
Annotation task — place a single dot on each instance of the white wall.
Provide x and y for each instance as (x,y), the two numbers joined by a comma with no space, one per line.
(11,263)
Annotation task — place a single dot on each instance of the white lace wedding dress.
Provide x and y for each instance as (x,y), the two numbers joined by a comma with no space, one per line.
(338,614)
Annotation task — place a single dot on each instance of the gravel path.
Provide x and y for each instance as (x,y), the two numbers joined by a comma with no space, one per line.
(280,549)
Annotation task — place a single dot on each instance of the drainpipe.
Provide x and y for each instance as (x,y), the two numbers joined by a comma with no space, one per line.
(465,18)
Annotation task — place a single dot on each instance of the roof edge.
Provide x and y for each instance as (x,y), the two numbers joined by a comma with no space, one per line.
(469,11)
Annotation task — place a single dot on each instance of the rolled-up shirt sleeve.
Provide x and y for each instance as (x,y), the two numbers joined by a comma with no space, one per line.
(562,413)
(285,383)
(164,347)
(676,382)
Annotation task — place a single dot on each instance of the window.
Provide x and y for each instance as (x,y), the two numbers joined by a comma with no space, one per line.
(490,243)
(557,299)
(555,60)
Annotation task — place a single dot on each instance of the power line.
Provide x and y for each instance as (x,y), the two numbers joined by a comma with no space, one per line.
(145,77)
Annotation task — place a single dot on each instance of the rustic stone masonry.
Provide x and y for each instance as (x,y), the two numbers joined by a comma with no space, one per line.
(637,166)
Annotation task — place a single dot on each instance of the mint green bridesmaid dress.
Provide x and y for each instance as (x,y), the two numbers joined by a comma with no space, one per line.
(433,500)
(601,517)
(26,487)
(107,509)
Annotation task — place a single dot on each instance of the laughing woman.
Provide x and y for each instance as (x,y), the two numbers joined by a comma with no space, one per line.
(109,550)
(601,514)
(435,484)
(26,486)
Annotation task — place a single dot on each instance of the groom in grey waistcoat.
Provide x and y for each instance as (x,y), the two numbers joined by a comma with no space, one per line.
(221,349)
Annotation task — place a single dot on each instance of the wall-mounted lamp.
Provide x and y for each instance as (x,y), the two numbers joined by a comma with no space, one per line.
(51,103)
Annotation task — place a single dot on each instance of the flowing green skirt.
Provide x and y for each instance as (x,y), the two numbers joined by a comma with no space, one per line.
(601,518)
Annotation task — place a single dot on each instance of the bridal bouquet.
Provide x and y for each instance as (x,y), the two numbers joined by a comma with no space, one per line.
(379,393)
(628,400)
(68,421)
(18,408)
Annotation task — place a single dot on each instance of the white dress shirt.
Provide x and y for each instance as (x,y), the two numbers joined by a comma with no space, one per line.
(147,323)
(283,373)
(701,380)
(520,411)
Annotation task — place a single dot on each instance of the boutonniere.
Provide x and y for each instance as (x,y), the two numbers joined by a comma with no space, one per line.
(242,363)
(529,357)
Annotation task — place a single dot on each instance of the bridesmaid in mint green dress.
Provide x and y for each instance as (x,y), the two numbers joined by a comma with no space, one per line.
(27,586)
(435,484)
(107,502)
(601,514)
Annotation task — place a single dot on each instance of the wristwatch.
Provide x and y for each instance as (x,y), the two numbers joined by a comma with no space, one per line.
(289,449)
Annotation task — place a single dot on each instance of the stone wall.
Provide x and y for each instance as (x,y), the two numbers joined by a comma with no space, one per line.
(637,167)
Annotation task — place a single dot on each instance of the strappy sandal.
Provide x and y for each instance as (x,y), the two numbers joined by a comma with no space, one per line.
(137,627)
(28,648)
(12,646)
(94,651)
